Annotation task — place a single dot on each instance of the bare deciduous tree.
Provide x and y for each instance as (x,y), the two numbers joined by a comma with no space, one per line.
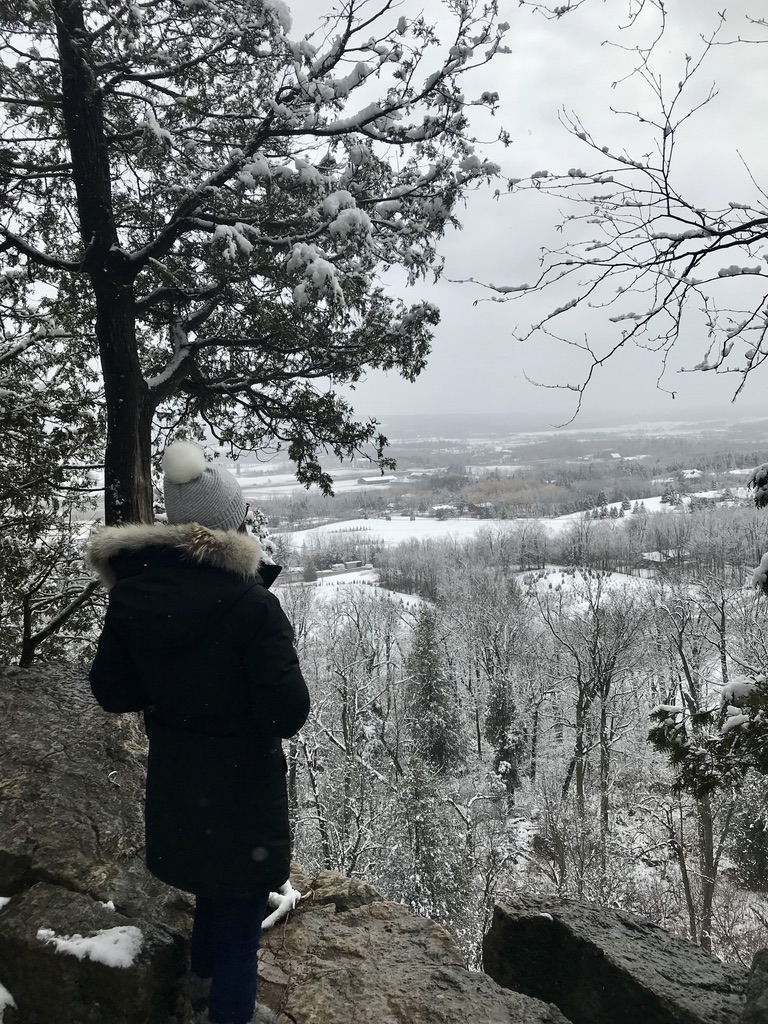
(651,258)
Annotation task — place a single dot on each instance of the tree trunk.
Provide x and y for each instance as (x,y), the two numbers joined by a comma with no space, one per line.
(605,767)
(127,458)
(577,764)
(580,773)
(568,779)
(475,698)
(31,641)
(128,452)
(579,754)
(27,649)
(293,786)
(689,900)
(344,826)
(534,745)
(320,816)
(707,869)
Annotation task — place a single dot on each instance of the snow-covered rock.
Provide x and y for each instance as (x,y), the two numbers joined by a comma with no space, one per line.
(65,957)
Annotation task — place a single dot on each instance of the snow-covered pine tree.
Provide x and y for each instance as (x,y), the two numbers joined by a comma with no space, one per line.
(437,738)
(309,573)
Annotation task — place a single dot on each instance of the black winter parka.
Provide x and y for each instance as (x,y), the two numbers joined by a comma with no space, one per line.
(193,638)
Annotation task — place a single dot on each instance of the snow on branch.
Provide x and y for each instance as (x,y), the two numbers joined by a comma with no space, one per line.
(15,242)
(181,350)
(320,276)
(13,350)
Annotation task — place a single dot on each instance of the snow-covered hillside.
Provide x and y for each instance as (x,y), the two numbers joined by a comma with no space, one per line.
(394,529)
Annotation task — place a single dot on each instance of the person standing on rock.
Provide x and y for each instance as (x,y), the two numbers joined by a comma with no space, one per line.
(194,639)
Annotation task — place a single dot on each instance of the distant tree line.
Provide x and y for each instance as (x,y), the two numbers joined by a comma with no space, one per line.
(561,489)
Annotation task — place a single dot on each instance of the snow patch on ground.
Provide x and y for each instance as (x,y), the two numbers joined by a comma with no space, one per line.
(574,586)
(365,576)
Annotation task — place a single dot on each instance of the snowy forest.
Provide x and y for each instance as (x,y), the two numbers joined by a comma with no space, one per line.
(557,729)
(214,227)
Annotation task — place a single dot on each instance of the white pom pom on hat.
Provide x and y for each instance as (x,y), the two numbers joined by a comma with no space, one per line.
(196,491)
(182,462)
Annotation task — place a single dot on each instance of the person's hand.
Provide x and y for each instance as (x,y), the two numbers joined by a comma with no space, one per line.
(282,902)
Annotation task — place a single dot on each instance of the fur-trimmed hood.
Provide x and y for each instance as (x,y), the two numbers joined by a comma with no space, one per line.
(239,553)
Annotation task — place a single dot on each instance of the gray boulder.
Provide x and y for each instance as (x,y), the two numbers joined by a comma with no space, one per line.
(72,794)
(347,956)
(71,840)
(756,1009)
(343,893)
(67,957)
(603,966)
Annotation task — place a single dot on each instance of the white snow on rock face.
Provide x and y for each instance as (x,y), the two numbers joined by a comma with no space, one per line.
(115,947)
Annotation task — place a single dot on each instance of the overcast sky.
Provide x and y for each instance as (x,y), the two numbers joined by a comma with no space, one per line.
(476,364)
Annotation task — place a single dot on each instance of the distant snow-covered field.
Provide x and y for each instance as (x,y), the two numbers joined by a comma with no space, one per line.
(350,583)
(280,485)
(396,529)
(576,587)
(402,528)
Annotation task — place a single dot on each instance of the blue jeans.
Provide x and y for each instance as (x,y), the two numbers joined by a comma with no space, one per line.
(225,941)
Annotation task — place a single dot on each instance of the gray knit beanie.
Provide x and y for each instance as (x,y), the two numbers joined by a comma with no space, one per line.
(196,491)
